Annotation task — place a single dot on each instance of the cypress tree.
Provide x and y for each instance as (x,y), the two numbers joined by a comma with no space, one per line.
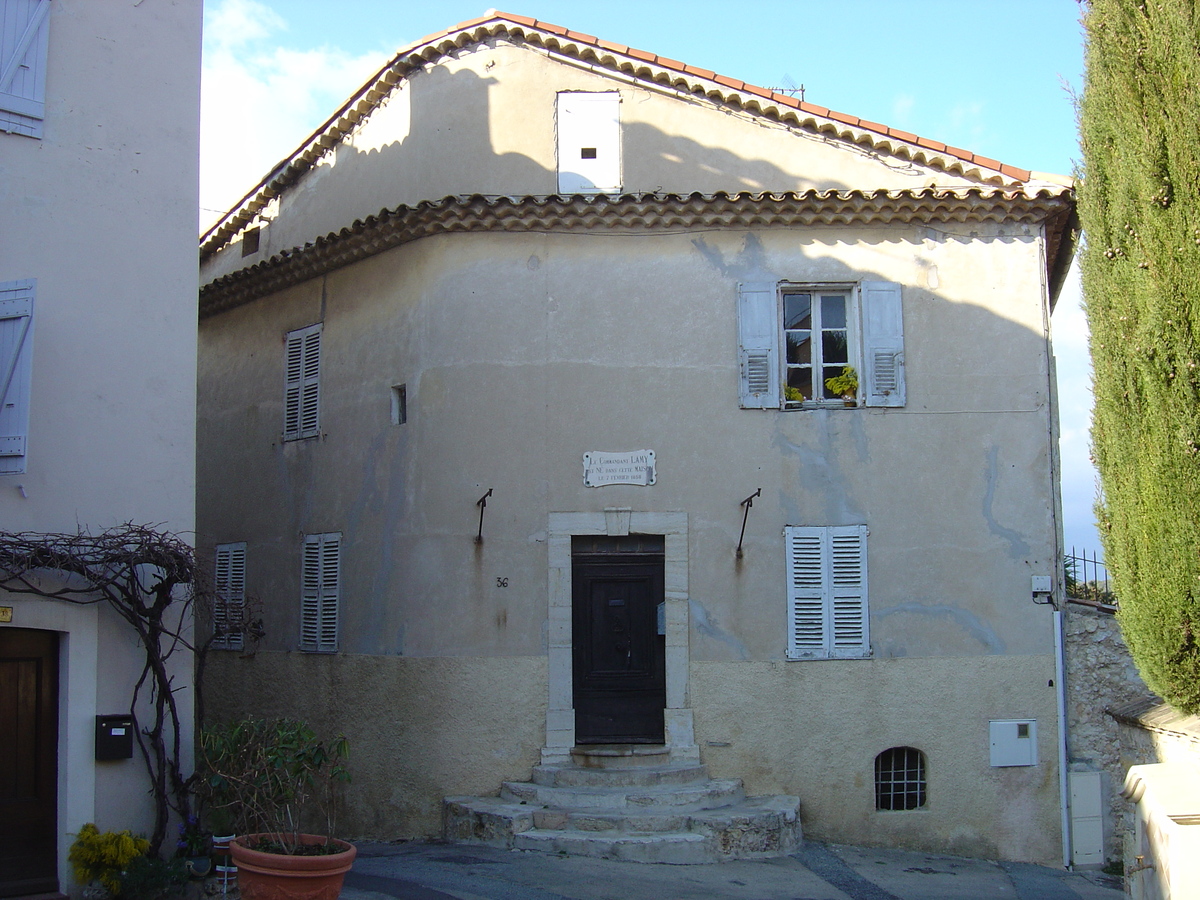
(1139,205)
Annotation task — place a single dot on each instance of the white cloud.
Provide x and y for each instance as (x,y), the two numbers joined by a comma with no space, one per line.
(259,100)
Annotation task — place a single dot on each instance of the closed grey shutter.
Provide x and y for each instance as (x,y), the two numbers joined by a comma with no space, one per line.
(827,591)
(807,631)
(16,371)
(231,596)
(883,343)
(24,40)
(320,592)
(758,345)
(848,590)
(302,384)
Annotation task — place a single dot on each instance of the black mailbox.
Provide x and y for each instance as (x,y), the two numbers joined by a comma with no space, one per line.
(114,737)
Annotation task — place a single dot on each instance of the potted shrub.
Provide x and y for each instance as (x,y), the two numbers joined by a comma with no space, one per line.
(275,777)
(845,385)
(99,858)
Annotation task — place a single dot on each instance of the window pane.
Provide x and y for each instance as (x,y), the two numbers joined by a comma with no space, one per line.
(797,311)
(799,379)
(833,348)
(799,347)
(833,311)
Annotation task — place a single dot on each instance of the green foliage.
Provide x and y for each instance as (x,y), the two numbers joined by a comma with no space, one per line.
(103,856)
(151,878)
(845,384)
(273,776)
(1139,204)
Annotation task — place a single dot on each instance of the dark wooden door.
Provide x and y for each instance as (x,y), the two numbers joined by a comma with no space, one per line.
(619,666)
(28,761)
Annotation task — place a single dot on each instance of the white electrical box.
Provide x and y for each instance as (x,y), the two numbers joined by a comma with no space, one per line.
(1013,742)
(1087,819)
(1041,584)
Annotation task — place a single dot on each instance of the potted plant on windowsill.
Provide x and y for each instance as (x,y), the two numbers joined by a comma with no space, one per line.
(845,385)
(276,777)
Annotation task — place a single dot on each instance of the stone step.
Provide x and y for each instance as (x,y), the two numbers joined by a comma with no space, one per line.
(710,794)
(620,756)
(641,776)
(759,827)
(673,848)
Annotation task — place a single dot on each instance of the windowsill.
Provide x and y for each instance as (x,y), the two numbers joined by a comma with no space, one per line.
(826,404)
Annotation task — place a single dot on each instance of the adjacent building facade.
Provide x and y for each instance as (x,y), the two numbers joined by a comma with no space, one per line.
(99,120)
(557,394)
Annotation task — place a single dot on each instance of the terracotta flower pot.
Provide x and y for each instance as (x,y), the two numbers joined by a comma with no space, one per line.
(278,876)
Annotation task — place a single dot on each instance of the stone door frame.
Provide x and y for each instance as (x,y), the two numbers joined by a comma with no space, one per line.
(560,713)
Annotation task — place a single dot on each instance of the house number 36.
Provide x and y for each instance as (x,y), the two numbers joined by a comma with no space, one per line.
(501,582)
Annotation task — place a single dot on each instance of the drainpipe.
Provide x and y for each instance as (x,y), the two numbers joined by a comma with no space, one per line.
(1060,681)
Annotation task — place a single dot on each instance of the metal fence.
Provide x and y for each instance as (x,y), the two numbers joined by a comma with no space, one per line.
(1087,578)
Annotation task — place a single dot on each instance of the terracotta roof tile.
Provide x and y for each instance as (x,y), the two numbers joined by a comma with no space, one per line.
(701,73)
(544,26)
(609,45)
(582,38)
(520,20)
(641,54)
(729,82)
(669,63)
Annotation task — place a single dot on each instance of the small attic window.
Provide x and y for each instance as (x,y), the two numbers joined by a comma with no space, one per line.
(249,242)
(589,142)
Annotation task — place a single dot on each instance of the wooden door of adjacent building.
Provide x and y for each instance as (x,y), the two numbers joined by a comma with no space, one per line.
(28,761)
(618,653)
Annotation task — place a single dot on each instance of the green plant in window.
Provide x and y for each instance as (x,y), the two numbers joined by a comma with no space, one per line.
(844,385)
(792,394)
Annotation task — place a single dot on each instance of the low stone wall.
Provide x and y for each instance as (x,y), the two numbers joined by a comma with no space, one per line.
(1100,675)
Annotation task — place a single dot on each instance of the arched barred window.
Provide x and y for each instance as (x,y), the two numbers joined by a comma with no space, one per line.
(900,778)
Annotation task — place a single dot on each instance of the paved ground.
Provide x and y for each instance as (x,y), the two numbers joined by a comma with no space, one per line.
(434,871)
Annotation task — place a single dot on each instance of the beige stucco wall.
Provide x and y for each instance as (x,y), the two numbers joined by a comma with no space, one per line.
(483,121)
(522,352)
(102,211)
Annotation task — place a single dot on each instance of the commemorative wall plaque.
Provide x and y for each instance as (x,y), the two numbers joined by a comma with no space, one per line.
(601,467)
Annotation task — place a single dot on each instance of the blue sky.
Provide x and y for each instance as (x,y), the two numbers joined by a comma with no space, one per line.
(991,76)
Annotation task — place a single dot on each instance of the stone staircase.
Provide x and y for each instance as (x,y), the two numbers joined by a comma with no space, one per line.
(628,802)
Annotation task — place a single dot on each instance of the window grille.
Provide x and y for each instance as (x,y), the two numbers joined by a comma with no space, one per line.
(900,778)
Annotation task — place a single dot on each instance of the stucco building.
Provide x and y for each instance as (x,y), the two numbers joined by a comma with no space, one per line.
(99,122)
(514,417)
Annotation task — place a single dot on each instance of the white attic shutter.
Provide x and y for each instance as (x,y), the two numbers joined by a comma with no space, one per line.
(589,142)
(16,371)
(758,345)
(231,594)
(302,389)
(848,590)
(883,343)
(24,40)
(320,587)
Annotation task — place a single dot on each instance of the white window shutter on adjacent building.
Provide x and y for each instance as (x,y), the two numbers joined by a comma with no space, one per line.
(230,595)
(883,343)
(16,371)
(24,41)
(827,591)
(302,391)
(589,142)
(320,590)
(758,345)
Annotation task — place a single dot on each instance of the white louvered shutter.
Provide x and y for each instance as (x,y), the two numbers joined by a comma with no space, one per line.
(806,592)
(827,591)
(883,343)
(758,345)
(24,41)
(320,587)
(231,595)
(302,389)
(589,142)
(848,591)
(16,371)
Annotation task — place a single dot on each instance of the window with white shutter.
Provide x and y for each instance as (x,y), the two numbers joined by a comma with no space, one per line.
(16,371)
(230,601)
(804,346)
(589,142)
(827,591)
(320,591)
(302,389)
(24,41)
